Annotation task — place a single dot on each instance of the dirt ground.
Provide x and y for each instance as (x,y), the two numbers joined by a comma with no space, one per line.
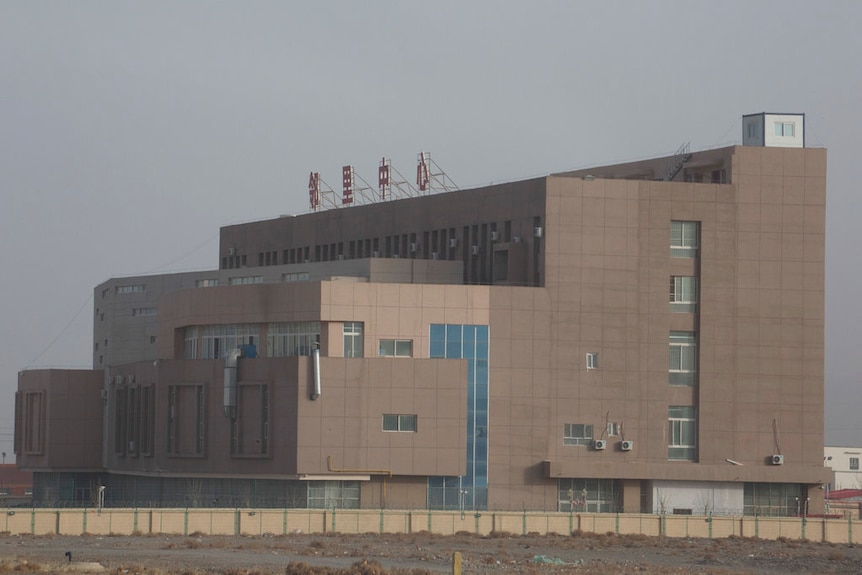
(422,553)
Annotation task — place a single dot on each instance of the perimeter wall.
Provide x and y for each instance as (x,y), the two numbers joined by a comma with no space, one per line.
(250,522)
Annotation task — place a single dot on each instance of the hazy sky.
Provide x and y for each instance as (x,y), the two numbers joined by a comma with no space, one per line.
(131,131)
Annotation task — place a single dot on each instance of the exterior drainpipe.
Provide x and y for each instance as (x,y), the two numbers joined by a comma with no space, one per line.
(230,382)
(316,358)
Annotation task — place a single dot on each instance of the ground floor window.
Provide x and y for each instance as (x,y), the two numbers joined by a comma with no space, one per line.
(445,493)
(587,495)
(333,495)
(81,490)
(774,499)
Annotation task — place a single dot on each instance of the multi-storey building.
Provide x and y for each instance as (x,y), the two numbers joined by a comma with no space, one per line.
(636,337)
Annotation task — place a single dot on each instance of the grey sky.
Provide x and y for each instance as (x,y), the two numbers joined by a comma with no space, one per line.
(129,132)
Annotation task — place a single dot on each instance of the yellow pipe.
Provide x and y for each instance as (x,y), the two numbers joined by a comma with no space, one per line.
(329,467)
(387,472)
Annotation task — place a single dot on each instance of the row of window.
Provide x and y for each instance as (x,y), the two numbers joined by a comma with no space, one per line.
(134,417)
(286,339)
(681,435)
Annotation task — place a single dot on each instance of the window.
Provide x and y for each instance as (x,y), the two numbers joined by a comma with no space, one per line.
(682,358)
(682,433)
(139,311)
(592,361)
(292,338)
(590,495)
(190,348)
(577,434)
(752,130)
(219,340)
(246,280)
(683,293)
(295,277)
(396,348)
(206,283)
(854,464)
(333,494)
(138,288)
(772,499)
(613,429)
(395,422)
(683,239)
(353,339)
(469,342)
(449,493)
(785,129)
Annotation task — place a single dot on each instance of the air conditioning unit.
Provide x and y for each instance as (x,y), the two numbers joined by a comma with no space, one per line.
(453,242)
(340,257)
(599,444)
(414,247)
(777,459)
(375,255)
(627,445)
(517,239)
(435,255)
(474,250)
(395,256)
(538,231)
(495,236)
(104,394)
(231,251)
(118,380)
(130,379)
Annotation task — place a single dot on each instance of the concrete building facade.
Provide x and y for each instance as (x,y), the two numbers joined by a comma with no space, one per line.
(645,337)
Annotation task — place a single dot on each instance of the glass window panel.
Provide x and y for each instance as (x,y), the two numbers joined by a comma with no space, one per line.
(390,422)
(387,347)
(404,348)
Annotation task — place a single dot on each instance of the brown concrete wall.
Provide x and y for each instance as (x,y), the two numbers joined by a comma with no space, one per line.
(69,421)
(445,214)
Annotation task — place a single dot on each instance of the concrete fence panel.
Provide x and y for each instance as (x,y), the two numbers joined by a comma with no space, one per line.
(254,522)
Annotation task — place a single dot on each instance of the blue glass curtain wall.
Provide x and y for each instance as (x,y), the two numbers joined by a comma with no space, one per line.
(470,342)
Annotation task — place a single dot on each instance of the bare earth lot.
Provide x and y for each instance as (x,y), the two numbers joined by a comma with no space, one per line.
(422,553)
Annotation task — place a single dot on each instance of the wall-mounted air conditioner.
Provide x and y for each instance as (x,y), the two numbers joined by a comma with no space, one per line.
(599,444)
(375,255)
(231,251)
(474,250)
(517,239)
(340,257)
(453,242)
(777,459)
(414,247)
(130,379)
(104,394)
(495,236)
(627,445)
(435,256)
(538,231)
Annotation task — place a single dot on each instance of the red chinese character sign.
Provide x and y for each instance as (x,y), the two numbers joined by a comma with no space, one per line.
(314,190)
(423,176)
(347,181)
(383,180)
